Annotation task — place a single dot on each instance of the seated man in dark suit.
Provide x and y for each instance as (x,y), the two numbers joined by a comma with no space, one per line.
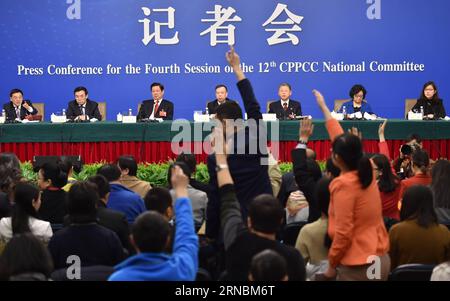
(221,98)
(285,108)
(156,107)
(82,108)
(18,107)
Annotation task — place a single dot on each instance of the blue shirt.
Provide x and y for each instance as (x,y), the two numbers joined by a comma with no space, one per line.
(365,107)
(124,200)
(181,265)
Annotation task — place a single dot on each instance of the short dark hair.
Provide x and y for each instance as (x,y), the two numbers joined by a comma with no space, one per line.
(78,89)
(161,86)
(186,170)
(323,194)
(417,203)
(314,169)
(128,162)
(221,86)
(158,199)
(268,265)
(103,187)
(10,172)
(356,89)
(189,160)
(229,110)
(52,171)
(414,136)
(285,85)
(331,168)
(25,254)
(151,232)
(110,171)
(265,213)
(14,91)
(65,164)
(81,202)
(421,160)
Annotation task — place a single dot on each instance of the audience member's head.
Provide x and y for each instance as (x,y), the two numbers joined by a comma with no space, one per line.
(348,155)
(331,170)
(440,184)
(103,187)
(421,161)
(323,195)
(311,154)
(150,233)
(387,181)
(10,172)
(110,171)
(51,175)
(184,167)
(414,140)
(127,165)
(229,110)
(81,202)
(265,214)
(66,165)
(25,258)
(268,265)
(159,199)
(189,160)
(417,204)
(314,168)
(27,201)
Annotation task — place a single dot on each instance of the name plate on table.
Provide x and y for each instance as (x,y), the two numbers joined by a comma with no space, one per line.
(128,119)
(414,116)
(58,119)
(337,116)
(2,119)
(201,117)
(269,117)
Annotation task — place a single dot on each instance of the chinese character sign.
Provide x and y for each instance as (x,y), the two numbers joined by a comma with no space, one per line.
(291,24)
(219,32)
(148,36)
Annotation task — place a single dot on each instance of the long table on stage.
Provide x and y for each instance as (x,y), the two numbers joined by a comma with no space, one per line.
(152,142)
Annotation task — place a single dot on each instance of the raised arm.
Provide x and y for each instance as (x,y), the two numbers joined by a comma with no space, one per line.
(230,210)
(333,127)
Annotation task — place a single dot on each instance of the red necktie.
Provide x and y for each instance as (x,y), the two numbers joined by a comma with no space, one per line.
(156,108)
(285,107)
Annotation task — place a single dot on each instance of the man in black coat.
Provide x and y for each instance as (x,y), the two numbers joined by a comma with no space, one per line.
(156,107)
(246,164)
(18,107)
(221,98)
(285,108)
(82,108)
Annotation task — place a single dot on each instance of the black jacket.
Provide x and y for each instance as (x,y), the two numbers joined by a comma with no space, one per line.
(434,107)
(11,111)
(213,105)
(251,178)
(54,206)
(91,110)
(147,108)
(277,108)
(241,245)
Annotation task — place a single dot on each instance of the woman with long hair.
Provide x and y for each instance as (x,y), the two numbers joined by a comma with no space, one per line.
(440,185)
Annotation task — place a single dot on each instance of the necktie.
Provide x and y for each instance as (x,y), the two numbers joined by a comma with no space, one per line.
(285,106)
(82,110)
(156,108)
(17,112)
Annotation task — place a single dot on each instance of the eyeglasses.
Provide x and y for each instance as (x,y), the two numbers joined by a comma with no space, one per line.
(429,90)
(358,96)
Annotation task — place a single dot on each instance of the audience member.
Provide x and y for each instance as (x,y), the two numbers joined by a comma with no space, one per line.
(128,169)
(150,236)
(268,265)
(440,185)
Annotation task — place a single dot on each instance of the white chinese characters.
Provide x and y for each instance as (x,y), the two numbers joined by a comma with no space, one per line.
(221,15)
(292,23)
(148,36)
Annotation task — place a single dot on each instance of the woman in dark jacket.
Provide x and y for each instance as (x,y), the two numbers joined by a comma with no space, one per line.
(433,107)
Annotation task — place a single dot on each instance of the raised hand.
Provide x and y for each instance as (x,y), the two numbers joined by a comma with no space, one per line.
(306,129)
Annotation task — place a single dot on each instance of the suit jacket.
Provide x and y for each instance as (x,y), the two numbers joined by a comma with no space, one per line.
(11,111)
(213,105)
(147,108)
(293,107)
(91,110)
